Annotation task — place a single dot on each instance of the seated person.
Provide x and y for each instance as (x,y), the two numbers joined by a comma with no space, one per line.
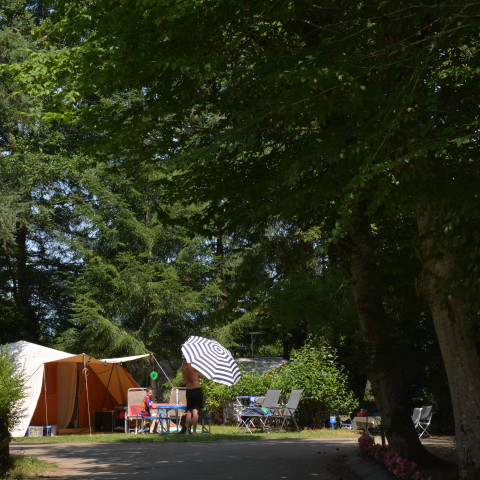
(147,411)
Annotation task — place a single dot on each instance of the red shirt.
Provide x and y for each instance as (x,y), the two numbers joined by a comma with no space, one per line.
(146,406)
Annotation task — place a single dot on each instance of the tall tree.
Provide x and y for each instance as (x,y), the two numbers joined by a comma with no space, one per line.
(302,111)
(145,283)
(34,262)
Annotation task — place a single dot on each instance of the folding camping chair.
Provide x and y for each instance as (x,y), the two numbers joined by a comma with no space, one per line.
(422,421)
(286,413)
(416,416)
(254,417)
(135,398)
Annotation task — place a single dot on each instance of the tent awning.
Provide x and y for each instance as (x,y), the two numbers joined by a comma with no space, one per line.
(124,359)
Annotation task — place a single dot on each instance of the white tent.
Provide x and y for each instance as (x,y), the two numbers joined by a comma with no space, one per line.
(64,389)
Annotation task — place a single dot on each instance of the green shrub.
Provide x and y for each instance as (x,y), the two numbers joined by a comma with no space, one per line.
(314,368)
(250,383)
(11,391)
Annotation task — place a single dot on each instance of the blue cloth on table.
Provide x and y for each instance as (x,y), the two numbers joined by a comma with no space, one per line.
(254,412)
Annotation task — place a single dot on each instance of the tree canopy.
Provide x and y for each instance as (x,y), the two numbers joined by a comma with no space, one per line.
(355,124)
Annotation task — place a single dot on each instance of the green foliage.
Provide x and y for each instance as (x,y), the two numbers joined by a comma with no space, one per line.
(21,467)
(35,170)
(11,391)
(270,118)
(314,368)
(145,284)
(251,383)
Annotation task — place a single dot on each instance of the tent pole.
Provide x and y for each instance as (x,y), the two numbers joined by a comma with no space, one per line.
(85,369)
(169,381)
(45,393)
(108,384)
(78,401)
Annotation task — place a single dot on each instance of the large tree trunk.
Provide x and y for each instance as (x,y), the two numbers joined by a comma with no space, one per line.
(4,445)
(456,343)
(384,359)
(30,328)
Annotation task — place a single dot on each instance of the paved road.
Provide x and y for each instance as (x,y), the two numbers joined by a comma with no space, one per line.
(276,459)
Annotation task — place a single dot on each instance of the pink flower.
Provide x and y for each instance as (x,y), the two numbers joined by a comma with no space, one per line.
(402,468)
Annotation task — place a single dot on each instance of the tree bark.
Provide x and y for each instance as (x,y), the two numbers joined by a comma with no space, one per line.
(220,254)
(4,445)
(23,284)
(384,359)
(456,344)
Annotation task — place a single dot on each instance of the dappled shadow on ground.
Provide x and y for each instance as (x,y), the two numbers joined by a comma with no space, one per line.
(288,459)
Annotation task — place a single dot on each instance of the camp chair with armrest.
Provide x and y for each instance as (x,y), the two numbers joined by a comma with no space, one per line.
(257,417)
(424,421)
(286,413)
(240,404)
(416,416)
(135,398)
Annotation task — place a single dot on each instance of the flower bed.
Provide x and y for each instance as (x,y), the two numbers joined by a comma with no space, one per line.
(400,467)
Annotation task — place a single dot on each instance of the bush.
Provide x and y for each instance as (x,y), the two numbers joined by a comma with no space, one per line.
(250,383)
(314,368)
(11,391)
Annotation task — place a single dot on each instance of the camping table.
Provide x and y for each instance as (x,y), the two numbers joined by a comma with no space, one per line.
(252,419)
(366,423)
(163,407)
(135,410)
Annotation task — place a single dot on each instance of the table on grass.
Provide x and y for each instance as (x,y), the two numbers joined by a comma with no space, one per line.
(162,408)
(159,411)
(367,423)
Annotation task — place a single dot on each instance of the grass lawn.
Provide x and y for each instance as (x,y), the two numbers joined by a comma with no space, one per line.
(26,467)
(219,433)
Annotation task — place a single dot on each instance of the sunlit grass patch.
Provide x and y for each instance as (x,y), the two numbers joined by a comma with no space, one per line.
(219,433)
(27,468)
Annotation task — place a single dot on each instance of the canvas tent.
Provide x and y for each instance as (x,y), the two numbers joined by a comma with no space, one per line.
(64,389)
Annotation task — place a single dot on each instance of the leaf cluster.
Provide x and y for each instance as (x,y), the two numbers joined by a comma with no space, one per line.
(11,391)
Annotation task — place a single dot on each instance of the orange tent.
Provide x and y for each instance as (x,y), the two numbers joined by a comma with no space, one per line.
(66,390)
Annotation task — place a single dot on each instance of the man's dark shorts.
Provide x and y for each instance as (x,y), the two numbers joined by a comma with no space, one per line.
(194,399)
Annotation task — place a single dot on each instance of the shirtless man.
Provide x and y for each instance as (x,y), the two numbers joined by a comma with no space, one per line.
(191,377)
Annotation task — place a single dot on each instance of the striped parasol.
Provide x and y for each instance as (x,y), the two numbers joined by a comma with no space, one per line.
(211,359)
